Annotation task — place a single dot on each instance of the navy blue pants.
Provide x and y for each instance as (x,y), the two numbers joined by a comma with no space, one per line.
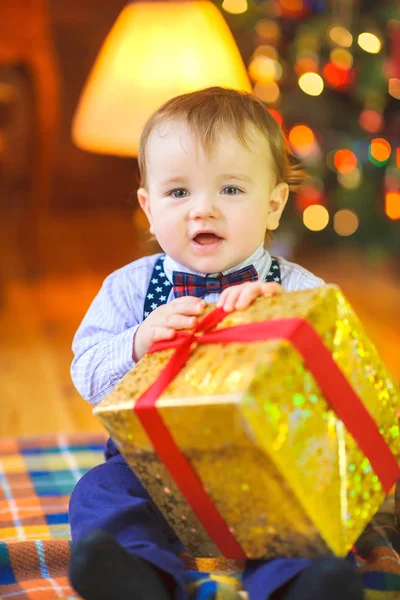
(111,498)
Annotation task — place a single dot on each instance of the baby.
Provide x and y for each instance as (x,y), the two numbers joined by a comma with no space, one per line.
(215,175)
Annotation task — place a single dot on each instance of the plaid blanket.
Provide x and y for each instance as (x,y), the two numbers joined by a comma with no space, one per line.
(37,476)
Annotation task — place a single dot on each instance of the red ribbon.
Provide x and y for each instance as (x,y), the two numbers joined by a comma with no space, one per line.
(318,360)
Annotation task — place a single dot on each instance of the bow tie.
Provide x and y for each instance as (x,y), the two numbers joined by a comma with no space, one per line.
(186,284)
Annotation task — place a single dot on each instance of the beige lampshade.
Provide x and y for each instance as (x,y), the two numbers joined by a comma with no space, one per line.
(156,50)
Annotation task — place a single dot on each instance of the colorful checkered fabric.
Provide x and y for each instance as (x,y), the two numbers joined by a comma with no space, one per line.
(36,479)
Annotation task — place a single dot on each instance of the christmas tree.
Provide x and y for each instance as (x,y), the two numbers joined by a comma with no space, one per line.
(330,73)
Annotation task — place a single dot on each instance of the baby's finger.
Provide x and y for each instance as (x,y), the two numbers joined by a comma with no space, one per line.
(179,321)
(162,333)
(251,291)
(229,300)
(187,305)
(224,294)
(271,288)
(247,295)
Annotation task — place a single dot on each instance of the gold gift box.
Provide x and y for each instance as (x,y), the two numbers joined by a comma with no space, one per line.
(279,465)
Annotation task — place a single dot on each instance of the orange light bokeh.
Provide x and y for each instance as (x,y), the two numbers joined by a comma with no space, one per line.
(235,7)
(277,115)
(394,87)
(293,8)
(380,149)
(316,217)
(345,222)
(392,205)
(307,196)
(267,92)
(336,76)
(264,69)
(266,50)
(341,58)
(301,137)
(268,30)
(370,120)
(306,64)
(345,161)
(341,36)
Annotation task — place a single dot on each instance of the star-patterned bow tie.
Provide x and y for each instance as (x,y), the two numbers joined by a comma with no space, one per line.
(186,284)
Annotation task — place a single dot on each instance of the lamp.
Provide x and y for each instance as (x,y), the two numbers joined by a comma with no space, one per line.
(156,50)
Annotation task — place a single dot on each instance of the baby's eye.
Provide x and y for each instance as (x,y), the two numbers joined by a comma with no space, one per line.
(178,193)
(231,190)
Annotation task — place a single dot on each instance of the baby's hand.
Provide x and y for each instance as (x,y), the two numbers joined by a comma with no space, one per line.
(239,297)
(165,320)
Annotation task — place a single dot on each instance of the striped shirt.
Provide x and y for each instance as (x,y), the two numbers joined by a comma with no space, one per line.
(103,344)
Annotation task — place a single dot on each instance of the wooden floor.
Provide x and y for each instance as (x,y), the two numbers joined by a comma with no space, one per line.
(39,316)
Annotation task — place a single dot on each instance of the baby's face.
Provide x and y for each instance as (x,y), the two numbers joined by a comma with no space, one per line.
(210,213)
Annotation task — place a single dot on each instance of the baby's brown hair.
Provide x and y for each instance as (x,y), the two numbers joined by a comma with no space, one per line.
(208,111)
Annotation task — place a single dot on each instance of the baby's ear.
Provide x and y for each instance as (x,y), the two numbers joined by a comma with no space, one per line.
(277,202)
(144,201)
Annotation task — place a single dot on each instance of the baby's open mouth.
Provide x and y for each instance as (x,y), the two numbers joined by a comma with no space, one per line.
(205,239)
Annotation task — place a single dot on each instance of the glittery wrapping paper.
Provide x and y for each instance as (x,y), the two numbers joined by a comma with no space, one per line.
(280,467)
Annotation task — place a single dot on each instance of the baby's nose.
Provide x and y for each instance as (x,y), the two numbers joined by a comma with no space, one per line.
(205,207)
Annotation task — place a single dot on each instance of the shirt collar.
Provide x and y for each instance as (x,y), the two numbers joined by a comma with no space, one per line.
(260,258)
